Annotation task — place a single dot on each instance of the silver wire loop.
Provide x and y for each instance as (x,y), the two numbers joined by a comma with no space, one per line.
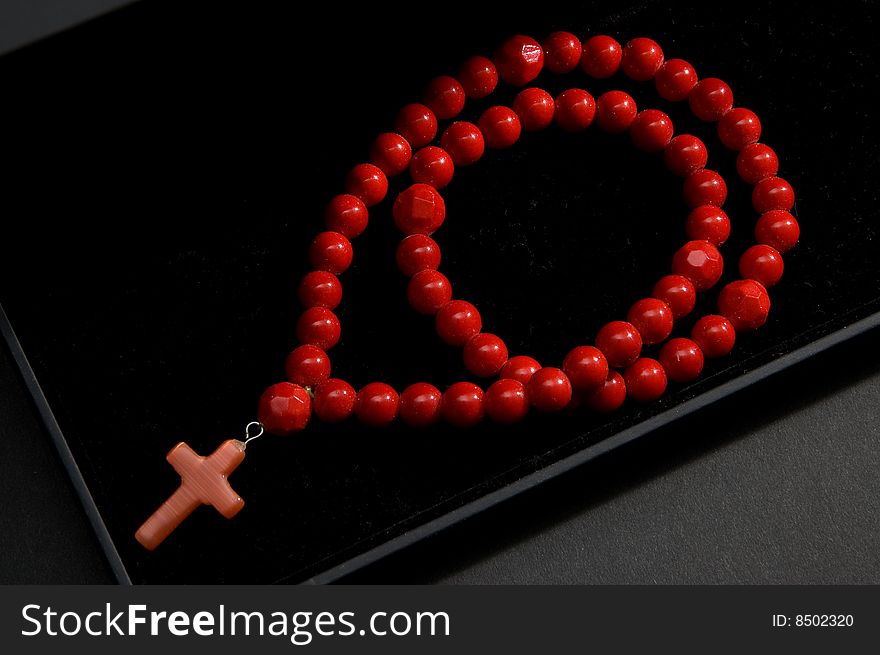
(253,430)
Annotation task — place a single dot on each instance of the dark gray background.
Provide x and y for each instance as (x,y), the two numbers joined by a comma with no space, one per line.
(776,484)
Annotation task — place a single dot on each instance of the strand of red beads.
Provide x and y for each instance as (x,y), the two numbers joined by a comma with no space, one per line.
(588,372)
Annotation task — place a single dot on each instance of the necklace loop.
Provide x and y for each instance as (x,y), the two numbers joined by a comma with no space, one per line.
(253,430)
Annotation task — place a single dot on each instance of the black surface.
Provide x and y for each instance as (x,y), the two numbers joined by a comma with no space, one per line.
(188,152)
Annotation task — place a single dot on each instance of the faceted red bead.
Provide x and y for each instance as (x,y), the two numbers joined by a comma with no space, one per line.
(642,58)
(586,367)
(432,165)
(417,124)
(284,408)
(704,187)
(478,77)
(601,56)
(762,263)
(334,400)
(519,60)
(616,111)
(464,142)
(417,252)
(332,252)
(710,99)
(484,354)
(678,292)
(645,380)
(682,360)
(347,214)
(714,335)
(500,127)
(562,52)
(391,153)
(445,97)
(652,318)
(428,291)
(549,390)
(520,368)
(535,108)
(307,366)
(738,128)
(708,223)
(772,193)
(320,289)
(685,155)
(320,327)
(377,404)
(463,405)
(506,401)
(675,80)
(779,229)
(620,342)
(700,262)
(368,183)
(575,110)
(745,303)
(755,162)
(458,321)
(651,131)
(609,396)
(420,405)
(419,209)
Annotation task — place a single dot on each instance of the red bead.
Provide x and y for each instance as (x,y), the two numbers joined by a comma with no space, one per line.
(738,128)
(519,60)
(549,390)
(601,56)
(710,99)
(520,368)
(685,155)
(708,223)
(762,263)
(391,153)
(368,183)
(745,303)
(420,405)
(478,77)
(463,405)
(535,108)
(779,229)
(334,400)
(586,367)
(320,327)
(575,110)
(484,355)
(562,52)
(506,401)
(772,193)
(458,321)
(620,342)
(284,408)
(651,131)
(307,366)
(445,97)
(419,209)
(347,214)
(755,162)
(417,124)
(609,396)
(652,318)
(417,252)
(432,165)
(320,289)
(331,251)
(464,142)
(645,380)
(377,404)
(642,58)
(700,262)
(682,360)
(500,127)
(616,111)
(704,187)
(428,291)
(675,80)
(678,292)
(714,335)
